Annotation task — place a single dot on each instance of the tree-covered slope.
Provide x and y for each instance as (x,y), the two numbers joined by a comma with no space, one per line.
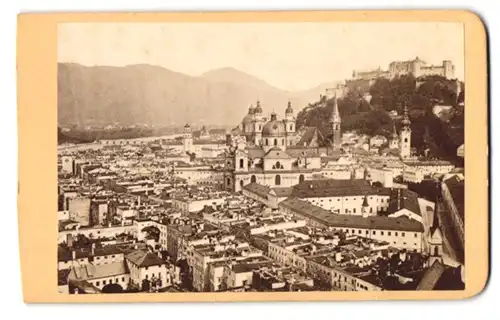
(441,136)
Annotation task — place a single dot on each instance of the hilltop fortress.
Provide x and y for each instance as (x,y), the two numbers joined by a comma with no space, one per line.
(363,79)
(416,67)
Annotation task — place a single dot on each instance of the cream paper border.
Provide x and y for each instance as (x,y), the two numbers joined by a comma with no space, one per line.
(37,122)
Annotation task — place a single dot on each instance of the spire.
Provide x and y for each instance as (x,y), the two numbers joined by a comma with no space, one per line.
(394,132)
(335,117)
(406,120)
(435,219)
(365,201)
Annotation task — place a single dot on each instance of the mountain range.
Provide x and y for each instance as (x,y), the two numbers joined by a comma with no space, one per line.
(153,95)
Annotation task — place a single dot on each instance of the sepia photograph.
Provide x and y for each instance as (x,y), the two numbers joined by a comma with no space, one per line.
(260,157)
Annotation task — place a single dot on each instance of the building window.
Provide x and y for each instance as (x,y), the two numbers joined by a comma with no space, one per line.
(242,163)
(241,183)
(253,179)
(406,139)
(396,234)
(275,142)
(228,181)
(123,279)
(436,251)
(367,232)
(354,210)
(277,180)
(267,142)
(381,233)
(374,232)
(97,283)
(301,179)
(389,233)
(104,282)
(359,231)
(416,235)
(282,142)
(371,209)
(402,234)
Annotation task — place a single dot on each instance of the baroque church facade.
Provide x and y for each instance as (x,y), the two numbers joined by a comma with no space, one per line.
(274,153)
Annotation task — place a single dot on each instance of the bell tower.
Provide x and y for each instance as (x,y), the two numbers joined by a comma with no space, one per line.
(289,123)
(405,136)
(187,139)
(394,143)
(335,123)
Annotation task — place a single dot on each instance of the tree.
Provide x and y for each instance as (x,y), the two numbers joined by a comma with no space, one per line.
(153,232)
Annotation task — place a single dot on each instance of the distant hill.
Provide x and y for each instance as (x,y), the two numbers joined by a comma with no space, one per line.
(153,95)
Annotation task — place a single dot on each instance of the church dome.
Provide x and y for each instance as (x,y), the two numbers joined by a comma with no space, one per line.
(248,118)
(273,128)
(258,108)
(289,109)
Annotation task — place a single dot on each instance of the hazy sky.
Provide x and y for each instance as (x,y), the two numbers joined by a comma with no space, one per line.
(290,56)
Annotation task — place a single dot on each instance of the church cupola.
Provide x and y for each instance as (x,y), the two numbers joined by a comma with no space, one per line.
(289,109)
(406,119)
(273,116)
(258,109)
